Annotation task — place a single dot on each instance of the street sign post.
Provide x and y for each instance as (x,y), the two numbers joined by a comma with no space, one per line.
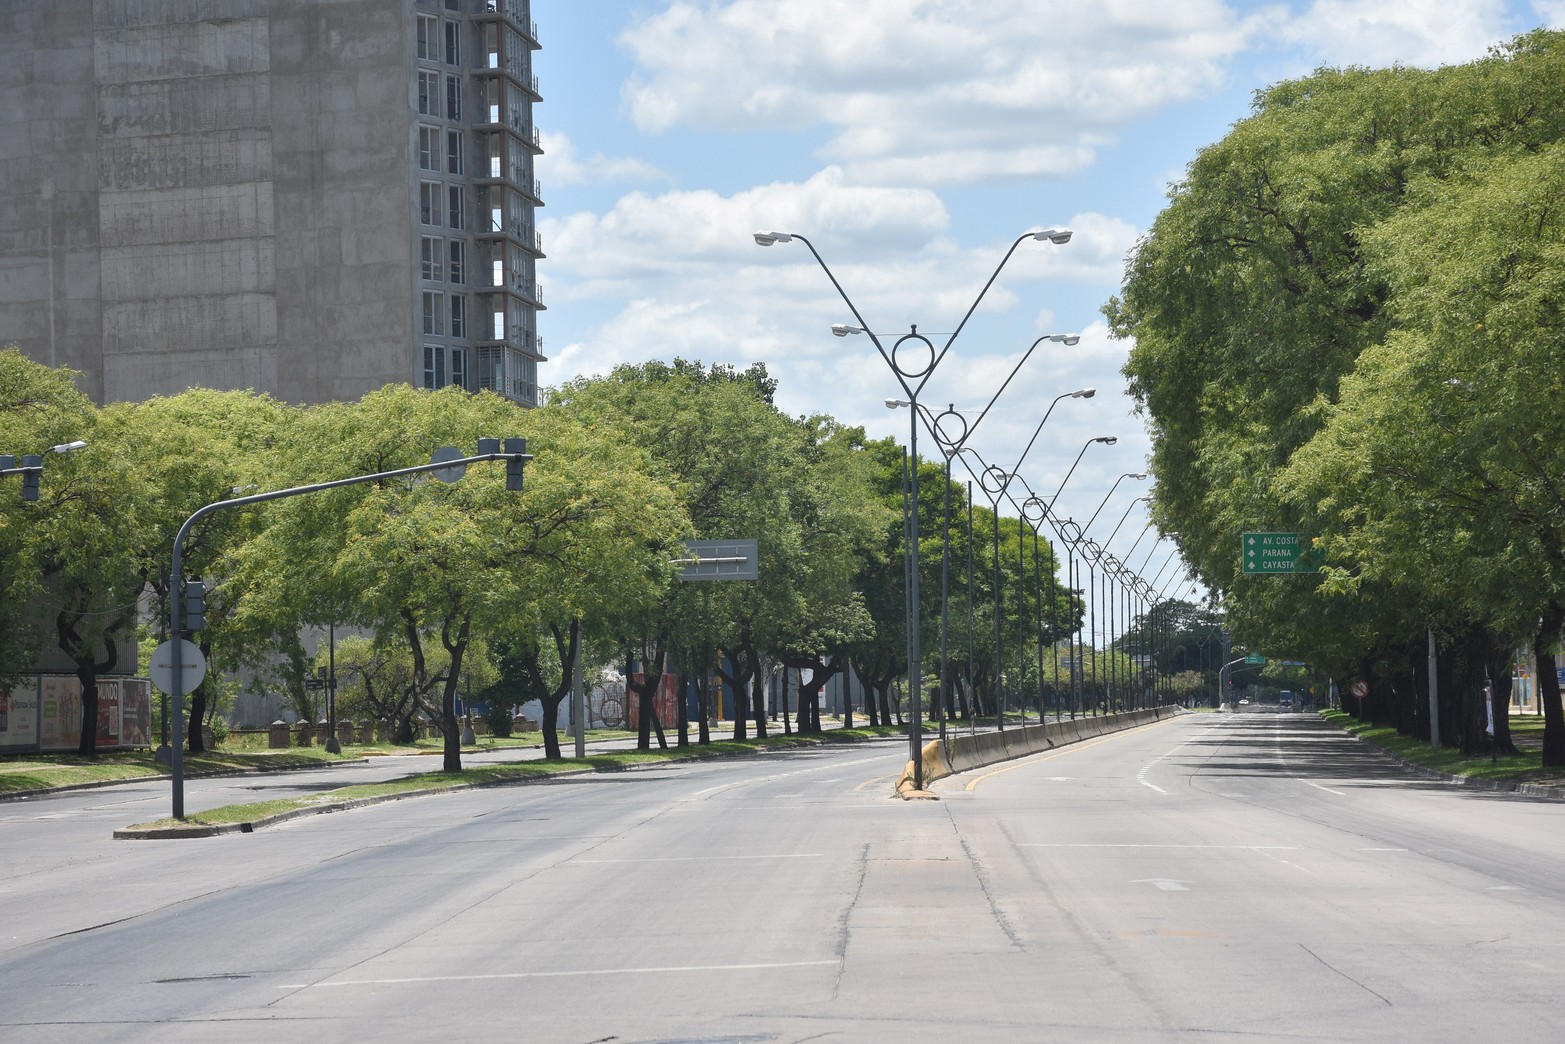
(1271,553)
(1255,658)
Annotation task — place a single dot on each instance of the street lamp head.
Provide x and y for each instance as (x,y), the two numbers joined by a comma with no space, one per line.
(843,329)
(1138,476)
(768,238)
(1107,440)
(1057,236)
(68,447)
(892,404)
(1084,393)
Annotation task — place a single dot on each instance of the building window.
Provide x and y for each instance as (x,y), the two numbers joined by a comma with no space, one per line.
(454,152)
(458,315)
(429,202)
(459,367)
(428,94)
(429,38)
(434,366)
(453,42)
(499,325)
(428,148)
(457,198)
(458,258)
(453,5)
(453,97)
(434,320)
(431,256)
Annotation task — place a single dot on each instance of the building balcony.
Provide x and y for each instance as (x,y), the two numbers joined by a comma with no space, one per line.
(514,14)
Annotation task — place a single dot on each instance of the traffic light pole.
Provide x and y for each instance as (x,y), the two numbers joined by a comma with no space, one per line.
(514,454)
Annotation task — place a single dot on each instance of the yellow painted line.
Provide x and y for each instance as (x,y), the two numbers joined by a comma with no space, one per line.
(872,782)
(1033,759)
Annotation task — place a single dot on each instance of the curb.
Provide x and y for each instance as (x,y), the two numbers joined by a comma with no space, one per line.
(1496,786)
(19,795)
(250,826)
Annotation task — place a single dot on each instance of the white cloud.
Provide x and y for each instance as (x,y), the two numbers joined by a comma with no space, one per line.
(931,91)
(1551,13)
(559,165)
(1425,33)
(678,274)
(681,231)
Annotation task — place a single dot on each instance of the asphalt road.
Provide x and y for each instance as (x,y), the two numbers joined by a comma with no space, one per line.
(1251,877)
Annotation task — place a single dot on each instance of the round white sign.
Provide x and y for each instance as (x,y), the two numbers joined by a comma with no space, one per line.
(192,666)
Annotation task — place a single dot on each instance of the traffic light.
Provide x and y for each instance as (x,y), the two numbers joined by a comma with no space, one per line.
(34,464)
(195,604)
(513,466)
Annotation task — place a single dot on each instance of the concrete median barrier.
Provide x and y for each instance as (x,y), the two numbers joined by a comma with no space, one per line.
(964,753)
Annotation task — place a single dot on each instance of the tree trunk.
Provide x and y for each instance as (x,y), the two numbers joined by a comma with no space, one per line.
(87,743)
(1543,645)
(703,707)
(402,729)
(758,701)
(864,673)
(69,640)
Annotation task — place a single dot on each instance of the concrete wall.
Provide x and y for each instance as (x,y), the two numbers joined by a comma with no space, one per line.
(209,192)
(49,276)
(345,188)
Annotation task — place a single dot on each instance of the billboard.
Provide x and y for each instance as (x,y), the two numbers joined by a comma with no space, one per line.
(19,716)
(44,713)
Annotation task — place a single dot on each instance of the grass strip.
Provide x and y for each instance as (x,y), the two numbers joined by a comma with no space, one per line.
(1521,767)
(499,775)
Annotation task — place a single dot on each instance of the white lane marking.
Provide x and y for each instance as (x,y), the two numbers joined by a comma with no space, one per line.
(1071,748)
(1141,777)
(1380,850)
(1215,848)
(1163,884)
(563,974)
(1317,786)
(697,859)
(782,775)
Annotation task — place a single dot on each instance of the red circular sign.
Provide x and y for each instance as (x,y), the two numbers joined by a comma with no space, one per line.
(1361,689)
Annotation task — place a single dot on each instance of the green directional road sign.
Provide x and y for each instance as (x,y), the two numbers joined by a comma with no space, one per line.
(1272,553)
(1255,658)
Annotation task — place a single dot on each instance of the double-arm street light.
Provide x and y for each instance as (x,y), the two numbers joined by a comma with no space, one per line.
(1108,573)
(1073,542)
(913,360)
(31,467)
(995,482)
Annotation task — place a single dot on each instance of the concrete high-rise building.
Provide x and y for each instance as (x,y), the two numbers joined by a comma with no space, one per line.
(311,198)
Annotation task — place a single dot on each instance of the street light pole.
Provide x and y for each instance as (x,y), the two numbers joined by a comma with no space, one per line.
(912,381)
(515,454)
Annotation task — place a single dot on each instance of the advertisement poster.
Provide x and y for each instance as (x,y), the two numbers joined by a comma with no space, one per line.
(135,712)
(61,710)
(108,714)
(19,716)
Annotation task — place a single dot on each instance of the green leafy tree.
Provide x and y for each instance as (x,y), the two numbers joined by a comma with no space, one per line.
(1277,272)
(39,408)
(433,564)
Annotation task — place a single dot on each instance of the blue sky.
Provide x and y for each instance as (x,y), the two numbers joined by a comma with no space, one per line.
(912,141)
